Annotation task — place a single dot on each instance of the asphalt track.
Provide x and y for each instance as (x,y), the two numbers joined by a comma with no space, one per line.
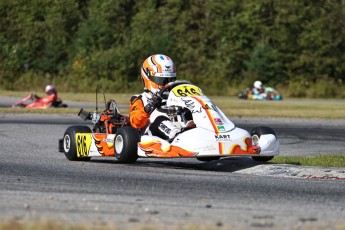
(39,183)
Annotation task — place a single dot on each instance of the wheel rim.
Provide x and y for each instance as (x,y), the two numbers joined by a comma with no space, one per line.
(118,144)
(66,143)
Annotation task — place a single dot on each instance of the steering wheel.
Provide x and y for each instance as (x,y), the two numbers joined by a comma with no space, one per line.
(112,107)
(171,85)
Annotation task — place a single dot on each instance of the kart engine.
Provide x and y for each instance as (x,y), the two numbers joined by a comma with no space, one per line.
(106,122)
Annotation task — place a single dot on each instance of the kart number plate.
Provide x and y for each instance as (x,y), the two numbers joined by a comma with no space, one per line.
(187,90)
(83,144)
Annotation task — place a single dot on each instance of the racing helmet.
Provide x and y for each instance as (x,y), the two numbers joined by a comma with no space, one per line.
(50,89)
(157,71)
(258,84)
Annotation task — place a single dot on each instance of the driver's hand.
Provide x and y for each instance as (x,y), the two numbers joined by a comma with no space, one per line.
(190,124)
(155,102)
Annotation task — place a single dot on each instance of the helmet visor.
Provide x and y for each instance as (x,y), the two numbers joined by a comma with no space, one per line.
(162,80)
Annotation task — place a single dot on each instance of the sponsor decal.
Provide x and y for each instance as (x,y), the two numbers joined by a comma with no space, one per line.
(220,128)
(218,121)
(210,107)
(83,144)
(223,138)
(109,140)
(206,148)
(187,90)
(164,128)
(190,105)
(167,68)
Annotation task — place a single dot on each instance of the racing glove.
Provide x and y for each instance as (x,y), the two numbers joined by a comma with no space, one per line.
(155,101)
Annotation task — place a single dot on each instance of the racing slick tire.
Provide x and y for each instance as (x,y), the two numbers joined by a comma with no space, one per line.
(125,144)
(261,130)
(207,159)
(70,143)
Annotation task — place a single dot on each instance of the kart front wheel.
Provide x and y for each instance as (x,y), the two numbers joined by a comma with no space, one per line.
(257,132)
(125,144)
(69,142)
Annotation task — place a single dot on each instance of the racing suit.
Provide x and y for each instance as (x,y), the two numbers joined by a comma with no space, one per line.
(43,101)
(157,123)
(48,99)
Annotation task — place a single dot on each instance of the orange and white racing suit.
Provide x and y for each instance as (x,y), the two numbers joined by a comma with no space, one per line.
(157,124)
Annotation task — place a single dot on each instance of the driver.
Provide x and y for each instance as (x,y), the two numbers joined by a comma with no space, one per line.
(156,71)
(44,101)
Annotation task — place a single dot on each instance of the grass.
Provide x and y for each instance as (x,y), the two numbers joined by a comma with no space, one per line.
(231,106)
(289,108)
(53,225)
(42,111)
(44,225)
(324,160)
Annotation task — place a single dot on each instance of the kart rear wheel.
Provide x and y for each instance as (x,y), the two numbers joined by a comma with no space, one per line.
(125,144)
(258,131)
(70,143)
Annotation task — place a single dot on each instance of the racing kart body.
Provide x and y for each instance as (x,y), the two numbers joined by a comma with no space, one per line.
(214,136)
(23,103)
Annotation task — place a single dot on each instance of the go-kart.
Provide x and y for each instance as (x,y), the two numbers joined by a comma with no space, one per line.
(270,94)
(24,103)
(213,137)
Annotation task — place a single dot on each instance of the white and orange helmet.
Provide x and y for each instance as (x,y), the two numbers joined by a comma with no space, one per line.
(157,70)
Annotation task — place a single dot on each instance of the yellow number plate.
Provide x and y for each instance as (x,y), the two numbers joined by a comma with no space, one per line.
(83,144)
(187,91)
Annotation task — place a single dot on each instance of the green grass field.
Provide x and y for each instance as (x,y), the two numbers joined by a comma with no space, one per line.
(53,225)
(324,160)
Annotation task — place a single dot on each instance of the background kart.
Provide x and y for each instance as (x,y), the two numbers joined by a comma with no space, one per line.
(214,136)
(270,94)
(24,103)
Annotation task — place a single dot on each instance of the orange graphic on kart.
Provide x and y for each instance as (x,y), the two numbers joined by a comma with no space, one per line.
(251,149)
(104,148)
(154,149)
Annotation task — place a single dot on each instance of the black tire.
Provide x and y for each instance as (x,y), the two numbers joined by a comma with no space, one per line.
(242,96)
(70,142)
(261,130)
(207,159)
(125,144)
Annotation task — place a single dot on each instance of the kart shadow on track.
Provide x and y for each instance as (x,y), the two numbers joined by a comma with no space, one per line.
(229,164)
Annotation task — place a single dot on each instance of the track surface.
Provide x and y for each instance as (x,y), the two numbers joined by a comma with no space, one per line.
(38,183)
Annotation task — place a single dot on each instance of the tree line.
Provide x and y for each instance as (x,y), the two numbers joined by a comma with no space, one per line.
(298,46)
